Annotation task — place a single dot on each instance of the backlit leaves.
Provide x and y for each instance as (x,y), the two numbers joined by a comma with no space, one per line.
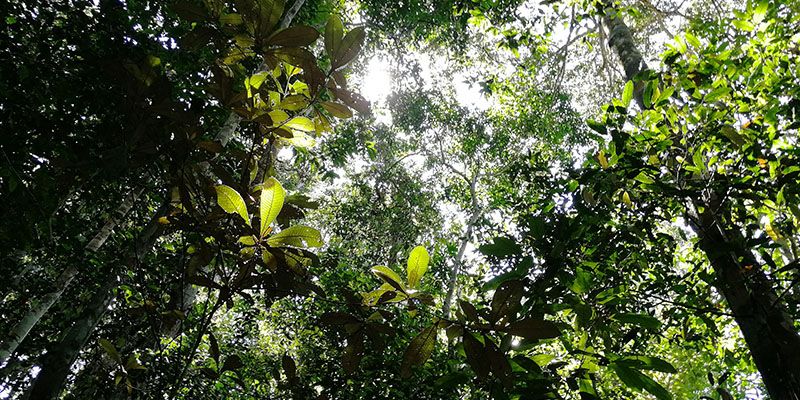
(296,236)
(417,265)
(232,202)
(389,276)
(272,198)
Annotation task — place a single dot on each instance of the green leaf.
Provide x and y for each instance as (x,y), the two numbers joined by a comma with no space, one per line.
(644,178)
(272,197)
(582,282)
(296,236)
(110,350)
(627,94)
(692,40)
(419,350)
(232,202)
(502,247)
(643,320)
(716,94)
(417,265)
(133,364)
(646,362)
(531,328)
(637,380)
(389,276)
(334,30)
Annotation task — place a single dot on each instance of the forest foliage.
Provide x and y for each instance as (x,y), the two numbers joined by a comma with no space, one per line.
(199,201)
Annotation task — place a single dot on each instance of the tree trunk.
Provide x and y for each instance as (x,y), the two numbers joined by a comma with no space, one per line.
(473,218)
(20,331)
(620,39)
(769,332)
(55,365)
(57,362)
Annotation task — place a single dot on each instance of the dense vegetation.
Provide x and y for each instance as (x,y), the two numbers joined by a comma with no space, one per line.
(199,201)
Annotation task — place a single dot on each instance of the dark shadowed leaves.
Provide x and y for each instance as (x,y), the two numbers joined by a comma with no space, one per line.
(419,350)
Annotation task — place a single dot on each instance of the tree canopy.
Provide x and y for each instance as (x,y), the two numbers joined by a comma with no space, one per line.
(319,199)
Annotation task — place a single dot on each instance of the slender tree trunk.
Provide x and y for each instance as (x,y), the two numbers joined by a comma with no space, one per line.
(473,218)
(620,39)
(770,334)
(55,365)
(20,331)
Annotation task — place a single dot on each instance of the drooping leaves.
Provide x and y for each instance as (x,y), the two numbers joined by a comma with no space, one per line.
(533,329)
(419,350)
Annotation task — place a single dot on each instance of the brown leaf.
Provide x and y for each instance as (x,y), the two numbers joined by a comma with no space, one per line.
(213,347)
(188,11)
(353,353)
(469,311)
(289,367)
(294,56)
(337,110)
(476,355)
(501,368)
(506,300)
(349,48)
(419,350)
(294,36)
(531,328)
(352,100)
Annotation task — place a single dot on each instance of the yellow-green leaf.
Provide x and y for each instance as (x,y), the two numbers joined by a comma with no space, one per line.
(230,19)
(294,102)
(278,117)
(110,350)
(627,94)
(232,202)
(296,236)
(417,265)
(272,197)
(248,240)
(301,124)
